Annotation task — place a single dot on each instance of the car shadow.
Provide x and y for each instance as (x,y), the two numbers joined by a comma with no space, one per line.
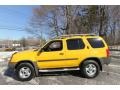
(11,73)
(61,73)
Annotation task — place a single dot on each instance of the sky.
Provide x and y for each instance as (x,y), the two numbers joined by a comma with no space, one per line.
(13,19)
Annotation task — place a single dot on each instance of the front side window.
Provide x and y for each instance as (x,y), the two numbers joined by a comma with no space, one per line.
(53,46)
(73,44)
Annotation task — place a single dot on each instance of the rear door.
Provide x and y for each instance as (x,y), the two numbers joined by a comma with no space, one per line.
(75,51)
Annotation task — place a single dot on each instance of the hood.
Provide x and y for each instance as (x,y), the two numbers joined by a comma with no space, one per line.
(26,51)
(25,55)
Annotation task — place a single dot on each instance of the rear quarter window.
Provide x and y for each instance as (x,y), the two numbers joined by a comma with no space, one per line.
(96,42)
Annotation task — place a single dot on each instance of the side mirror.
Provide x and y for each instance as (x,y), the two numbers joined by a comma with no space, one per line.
(40,51)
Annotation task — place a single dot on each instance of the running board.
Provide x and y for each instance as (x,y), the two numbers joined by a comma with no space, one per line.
(55,70)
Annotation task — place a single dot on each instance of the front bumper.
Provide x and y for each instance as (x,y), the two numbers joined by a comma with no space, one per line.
(11,65)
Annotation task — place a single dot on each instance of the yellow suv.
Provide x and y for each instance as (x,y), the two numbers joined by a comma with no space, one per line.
(83,52)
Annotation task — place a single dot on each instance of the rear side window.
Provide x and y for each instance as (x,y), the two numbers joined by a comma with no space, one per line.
(95,42)
(73,44)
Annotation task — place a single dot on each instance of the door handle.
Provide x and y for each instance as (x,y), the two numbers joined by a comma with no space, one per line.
(61,53)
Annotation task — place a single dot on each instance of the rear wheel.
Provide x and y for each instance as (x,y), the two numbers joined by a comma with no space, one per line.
(90,69)
(25,72)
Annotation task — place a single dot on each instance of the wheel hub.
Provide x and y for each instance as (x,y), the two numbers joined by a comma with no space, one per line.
(25,72)
(91,69)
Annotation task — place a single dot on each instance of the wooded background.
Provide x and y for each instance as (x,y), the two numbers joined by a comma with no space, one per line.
(52,21)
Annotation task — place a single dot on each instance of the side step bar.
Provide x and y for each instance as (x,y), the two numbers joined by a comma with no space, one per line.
(55,70)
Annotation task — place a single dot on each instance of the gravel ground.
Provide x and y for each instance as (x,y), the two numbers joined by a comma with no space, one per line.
(109,76)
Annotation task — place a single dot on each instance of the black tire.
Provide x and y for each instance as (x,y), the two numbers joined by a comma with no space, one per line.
(84,68)
(23,65)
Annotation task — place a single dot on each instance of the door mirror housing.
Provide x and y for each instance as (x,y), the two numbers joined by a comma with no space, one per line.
(40,51)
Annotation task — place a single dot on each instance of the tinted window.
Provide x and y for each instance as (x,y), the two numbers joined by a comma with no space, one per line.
(95,42)
(53,46)
(73,44)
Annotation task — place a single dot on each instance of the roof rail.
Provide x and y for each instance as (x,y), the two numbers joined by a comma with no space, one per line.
(71,35)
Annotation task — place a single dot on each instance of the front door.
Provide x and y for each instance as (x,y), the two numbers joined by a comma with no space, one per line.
(52,55)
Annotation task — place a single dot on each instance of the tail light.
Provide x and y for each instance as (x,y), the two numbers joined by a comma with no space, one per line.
(107,52)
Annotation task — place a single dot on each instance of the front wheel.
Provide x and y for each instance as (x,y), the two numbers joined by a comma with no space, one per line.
(90,69)
(25,72)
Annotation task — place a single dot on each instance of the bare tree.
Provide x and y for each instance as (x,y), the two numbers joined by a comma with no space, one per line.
(56,20)
(59,19)
(114,24)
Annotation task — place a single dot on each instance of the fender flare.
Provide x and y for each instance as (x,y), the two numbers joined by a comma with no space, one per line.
(34,64)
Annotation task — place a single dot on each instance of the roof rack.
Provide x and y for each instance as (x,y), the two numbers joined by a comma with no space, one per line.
(71,35)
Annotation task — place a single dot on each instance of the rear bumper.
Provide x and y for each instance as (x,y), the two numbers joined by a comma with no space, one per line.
(105,61)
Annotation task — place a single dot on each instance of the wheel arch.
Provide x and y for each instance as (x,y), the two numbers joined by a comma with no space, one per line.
(34,64)
(95,59)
